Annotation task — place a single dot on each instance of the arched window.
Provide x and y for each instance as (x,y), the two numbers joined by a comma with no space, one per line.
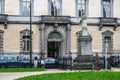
(55,36)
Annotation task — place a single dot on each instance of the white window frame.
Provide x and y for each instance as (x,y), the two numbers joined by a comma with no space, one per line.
(21,7)
(111,8)
(59,11)
(2,6)
(85,5)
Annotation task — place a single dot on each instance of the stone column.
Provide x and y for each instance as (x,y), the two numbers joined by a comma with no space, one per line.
(42,33)
(68,36)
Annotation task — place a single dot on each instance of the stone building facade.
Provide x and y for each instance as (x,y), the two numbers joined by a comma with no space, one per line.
(55,33)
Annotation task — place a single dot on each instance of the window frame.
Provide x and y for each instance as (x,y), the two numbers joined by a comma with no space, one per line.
(111,8)
(24,33)
(107,34)
(58,13)
(86,7)
(21,8)
(2,6)
(26,46)
(1,41)
(108,41)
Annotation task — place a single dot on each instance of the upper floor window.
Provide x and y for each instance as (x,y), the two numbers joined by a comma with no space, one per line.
(81,7)
(107,8)
(55,7)
(1,6)
(25,7)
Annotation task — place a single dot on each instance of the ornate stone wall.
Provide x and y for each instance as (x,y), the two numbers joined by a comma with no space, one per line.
(64,30)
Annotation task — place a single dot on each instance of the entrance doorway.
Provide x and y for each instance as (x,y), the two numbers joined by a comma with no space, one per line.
(54,45)
(54,49)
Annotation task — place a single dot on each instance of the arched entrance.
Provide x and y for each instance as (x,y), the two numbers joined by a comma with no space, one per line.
(63,30)
(54,45)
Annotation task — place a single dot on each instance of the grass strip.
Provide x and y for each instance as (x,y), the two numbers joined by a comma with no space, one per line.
(21,69)
(76,76)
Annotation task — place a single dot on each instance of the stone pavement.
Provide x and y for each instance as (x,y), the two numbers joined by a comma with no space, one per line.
(115,69)
(15,75)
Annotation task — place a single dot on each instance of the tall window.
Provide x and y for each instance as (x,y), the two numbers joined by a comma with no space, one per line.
(81,7)
(1,6)
(25,7)
(26,43)
(55,7)
(107,43)
(107,8)
(25,40)
(1,41)
(107,40)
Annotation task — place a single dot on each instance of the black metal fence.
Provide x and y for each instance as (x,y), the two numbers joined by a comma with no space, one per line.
(65,63)
(95,63)
(88,62)
(114,61)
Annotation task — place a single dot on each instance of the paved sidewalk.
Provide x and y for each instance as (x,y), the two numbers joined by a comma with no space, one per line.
(15,75)
(115,69)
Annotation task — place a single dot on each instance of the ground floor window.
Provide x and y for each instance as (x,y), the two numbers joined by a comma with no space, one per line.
(25,40)
(1,41)
(107,40)
(107,43)
(26,43)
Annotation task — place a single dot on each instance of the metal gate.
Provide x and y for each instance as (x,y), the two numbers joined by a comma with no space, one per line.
(65,63)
